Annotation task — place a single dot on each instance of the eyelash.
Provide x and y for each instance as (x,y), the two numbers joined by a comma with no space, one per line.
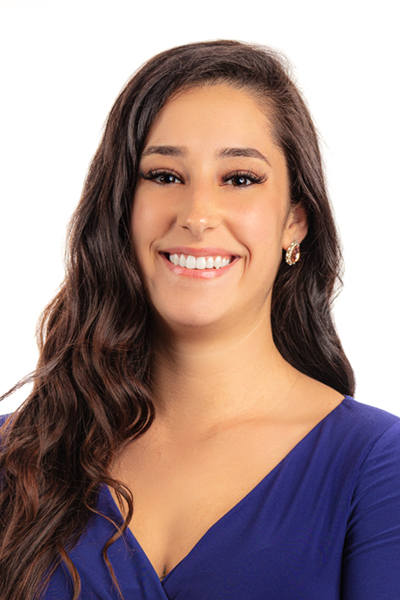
(252,177)
(156,173)
(153,175)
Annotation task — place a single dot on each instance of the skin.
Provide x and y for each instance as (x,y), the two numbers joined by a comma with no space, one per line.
(228,407)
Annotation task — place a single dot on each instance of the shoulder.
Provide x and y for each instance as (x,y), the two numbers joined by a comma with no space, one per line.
(379,434)
(373,422)
(367,412)
(347,419)
(363,422)
(355,438)
(360,429)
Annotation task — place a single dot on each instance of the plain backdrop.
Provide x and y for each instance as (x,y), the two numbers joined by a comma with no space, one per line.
(63,62)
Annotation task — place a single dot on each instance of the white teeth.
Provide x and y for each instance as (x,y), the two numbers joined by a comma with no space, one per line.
(190,262)
(201,262)
(210,263)
(217,262)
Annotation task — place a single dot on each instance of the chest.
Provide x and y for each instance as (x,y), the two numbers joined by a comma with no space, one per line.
(277,538)
(181,491)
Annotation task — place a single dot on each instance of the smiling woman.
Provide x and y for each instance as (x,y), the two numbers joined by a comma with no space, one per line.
(191,432)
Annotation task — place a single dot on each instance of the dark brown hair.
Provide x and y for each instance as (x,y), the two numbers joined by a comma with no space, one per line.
(91,389)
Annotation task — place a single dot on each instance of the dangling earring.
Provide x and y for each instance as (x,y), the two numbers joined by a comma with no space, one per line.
(293,253)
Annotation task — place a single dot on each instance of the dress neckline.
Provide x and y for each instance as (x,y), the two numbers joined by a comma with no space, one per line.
(218,523)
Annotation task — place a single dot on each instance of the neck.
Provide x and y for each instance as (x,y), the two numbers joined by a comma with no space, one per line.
(204,379)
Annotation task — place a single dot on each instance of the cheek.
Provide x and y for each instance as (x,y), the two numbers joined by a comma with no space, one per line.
(147,223)
(262,228)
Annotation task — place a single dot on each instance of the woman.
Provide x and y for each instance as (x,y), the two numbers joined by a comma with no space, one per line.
(190,432)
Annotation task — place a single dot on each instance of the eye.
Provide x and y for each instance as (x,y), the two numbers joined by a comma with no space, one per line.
(162,177)
(243,179)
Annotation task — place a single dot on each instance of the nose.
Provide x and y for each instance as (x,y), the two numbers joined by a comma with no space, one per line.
(199,210)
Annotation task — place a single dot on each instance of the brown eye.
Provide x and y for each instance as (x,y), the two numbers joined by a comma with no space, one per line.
(166,178)
(243,179)
(162,177)
(240,180)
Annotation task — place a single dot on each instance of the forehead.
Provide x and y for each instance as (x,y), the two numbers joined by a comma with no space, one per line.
(209,116)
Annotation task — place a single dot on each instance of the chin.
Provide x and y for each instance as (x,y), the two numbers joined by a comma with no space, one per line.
(191,320)
(183,309)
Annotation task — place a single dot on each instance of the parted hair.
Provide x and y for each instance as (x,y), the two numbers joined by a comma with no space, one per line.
(92,385)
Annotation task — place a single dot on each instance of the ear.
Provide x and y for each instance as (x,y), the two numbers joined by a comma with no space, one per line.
(296,227)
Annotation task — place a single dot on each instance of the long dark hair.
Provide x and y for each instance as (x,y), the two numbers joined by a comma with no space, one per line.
(91,391)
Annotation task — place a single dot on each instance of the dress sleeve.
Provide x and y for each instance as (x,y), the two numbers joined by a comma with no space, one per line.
(371,560)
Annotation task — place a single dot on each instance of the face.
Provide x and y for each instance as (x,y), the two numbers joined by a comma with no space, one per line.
(211,210)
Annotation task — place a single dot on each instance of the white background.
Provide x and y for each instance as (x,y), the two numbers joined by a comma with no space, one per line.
(63,62)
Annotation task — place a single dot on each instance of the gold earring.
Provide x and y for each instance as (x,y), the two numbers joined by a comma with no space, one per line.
(293,253)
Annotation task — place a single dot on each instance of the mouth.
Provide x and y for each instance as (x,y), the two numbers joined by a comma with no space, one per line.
(199,265)
(188,261)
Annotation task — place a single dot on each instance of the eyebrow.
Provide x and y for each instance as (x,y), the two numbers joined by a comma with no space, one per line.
(166,150)
(249,152)
(225,153)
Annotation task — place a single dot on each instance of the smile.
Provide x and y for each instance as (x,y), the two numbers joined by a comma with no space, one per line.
(199,262)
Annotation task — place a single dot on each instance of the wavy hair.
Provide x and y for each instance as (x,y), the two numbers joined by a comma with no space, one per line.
(92,389)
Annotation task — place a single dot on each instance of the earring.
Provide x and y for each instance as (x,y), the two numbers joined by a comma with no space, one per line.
(293,253)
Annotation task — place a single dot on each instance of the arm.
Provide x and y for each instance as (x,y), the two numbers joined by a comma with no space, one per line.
(371,559)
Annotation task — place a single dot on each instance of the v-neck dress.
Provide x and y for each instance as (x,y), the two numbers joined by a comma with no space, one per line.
(324,524)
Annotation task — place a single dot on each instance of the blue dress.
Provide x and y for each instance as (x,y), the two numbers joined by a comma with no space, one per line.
(324,524)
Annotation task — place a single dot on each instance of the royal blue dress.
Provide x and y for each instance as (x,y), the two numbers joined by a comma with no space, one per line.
(324,524)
